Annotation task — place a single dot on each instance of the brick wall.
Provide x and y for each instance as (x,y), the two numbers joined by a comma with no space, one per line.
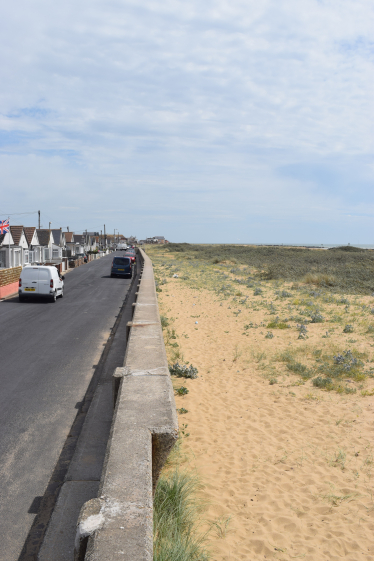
(8,276)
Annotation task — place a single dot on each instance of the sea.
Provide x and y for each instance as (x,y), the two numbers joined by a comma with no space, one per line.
(317,245)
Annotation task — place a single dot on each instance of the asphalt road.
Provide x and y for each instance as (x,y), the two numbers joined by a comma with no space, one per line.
(48,352)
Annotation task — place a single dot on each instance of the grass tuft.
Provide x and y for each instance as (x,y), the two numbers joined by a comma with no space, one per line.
(176,519)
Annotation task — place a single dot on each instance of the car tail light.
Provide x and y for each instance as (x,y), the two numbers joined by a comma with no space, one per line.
(51,283)
(20,282)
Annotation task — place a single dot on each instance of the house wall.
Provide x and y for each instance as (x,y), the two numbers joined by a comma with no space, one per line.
(9,281)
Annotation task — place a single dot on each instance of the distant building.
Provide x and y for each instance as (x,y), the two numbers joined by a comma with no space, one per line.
(156,239)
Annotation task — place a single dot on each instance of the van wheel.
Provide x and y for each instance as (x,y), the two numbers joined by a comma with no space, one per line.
(54,297)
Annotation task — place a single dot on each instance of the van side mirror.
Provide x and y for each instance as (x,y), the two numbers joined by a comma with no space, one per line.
(62,278)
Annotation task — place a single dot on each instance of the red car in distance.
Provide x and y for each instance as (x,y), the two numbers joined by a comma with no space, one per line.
(131,253)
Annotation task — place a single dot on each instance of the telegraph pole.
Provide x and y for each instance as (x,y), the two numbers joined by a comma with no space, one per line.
(104,236)
(39,219)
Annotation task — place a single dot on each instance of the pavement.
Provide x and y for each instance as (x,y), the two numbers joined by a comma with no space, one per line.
(50,355)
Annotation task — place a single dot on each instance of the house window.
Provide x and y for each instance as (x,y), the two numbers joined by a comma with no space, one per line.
(46,254)
(31,256)
(26,256)
(56,254)
(3,258)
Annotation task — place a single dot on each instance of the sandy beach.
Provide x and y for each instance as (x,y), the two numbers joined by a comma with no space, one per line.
(286,466)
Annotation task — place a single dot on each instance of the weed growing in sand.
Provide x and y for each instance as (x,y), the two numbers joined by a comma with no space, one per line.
(164,322)
(337,500)
(302,329)
(269,335)
(316,317)
(182,411)
(221,526)
(181,391)
(276,324)
(237,354)
(183,371)
(348,329)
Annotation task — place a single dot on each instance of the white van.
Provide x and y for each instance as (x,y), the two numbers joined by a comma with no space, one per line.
(40,281)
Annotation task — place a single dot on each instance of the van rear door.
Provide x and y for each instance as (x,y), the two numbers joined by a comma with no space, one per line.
(30,280)
(44,281)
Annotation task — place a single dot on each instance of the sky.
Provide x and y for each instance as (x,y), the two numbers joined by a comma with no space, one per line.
(205,122)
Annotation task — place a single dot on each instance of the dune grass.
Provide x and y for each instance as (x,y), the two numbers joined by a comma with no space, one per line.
(176,519)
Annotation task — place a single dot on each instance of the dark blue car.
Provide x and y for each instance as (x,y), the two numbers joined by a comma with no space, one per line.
(121,267)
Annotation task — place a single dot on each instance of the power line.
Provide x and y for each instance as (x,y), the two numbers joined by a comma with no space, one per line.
(19,213)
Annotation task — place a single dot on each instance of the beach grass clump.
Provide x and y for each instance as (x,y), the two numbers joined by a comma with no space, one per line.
(177,519)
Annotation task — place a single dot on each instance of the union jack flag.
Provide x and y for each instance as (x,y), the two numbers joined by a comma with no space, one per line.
(4,226)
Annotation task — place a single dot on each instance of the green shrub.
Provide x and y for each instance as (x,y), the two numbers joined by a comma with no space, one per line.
(183,371)
(324,383)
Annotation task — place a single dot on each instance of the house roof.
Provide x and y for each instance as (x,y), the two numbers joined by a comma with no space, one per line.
(80,238)
(57,235)
(69,237)
(29,233)
(16,233)
(44,236)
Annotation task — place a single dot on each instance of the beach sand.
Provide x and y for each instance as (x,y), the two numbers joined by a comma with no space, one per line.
(286,468)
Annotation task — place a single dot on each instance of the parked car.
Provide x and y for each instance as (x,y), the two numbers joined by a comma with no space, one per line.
(121,266)
(41,282)
(131,254)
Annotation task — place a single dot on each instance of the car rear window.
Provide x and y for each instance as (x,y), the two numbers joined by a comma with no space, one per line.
(121,261)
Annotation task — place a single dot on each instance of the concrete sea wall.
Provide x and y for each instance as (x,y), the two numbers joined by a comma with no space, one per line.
(118,525)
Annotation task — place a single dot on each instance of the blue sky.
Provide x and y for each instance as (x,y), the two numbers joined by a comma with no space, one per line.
(225,121)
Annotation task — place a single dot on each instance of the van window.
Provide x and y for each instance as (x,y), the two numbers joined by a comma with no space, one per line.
(121,261)
(44,274)
(29,273)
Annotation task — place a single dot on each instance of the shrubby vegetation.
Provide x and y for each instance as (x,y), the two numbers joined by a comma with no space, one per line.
(346,269)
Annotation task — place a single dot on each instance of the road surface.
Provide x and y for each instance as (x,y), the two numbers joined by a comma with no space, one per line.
(48,353)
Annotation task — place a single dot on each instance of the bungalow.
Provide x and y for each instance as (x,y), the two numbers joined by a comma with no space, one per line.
(46,240)
(20,247)
(80,244)
(6,243)
(35,248)
(70,243)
